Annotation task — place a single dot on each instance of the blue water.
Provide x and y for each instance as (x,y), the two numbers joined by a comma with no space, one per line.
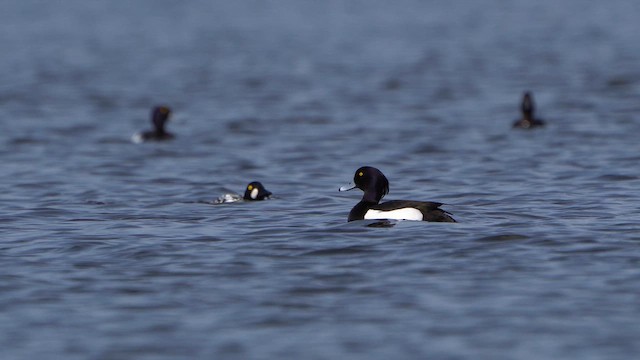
(113,250)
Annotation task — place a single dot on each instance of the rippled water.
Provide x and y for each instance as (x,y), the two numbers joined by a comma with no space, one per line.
(113,250)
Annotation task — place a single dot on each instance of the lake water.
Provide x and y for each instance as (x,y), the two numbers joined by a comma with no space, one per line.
(113,250)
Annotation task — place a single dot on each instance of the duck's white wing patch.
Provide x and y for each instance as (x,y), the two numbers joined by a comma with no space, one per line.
(398,214)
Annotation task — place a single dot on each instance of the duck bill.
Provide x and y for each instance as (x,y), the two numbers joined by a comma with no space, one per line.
(349,186)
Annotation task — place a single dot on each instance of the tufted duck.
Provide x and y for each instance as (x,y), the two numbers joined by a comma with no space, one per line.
(375,186)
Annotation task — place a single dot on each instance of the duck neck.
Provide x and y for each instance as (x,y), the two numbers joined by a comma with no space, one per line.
(159,127)
(371,198)
(527,108)
(528,114)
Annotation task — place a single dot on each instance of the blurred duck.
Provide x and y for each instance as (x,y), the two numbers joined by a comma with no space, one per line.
(159,117)
(528,119)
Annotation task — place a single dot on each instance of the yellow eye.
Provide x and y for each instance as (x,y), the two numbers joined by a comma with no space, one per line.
(360,173)
(250,187)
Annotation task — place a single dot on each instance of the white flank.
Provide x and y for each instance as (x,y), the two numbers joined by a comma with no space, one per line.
(137,138)
(399,214)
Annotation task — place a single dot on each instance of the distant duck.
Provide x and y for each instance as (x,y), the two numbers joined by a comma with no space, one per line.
(255,191)
(528,114)
(375,186)
(159,116)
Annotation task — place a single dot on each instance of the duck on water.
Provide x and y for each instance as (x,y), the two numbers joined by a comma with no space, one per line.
(375,186)
(528,109)
(159,117)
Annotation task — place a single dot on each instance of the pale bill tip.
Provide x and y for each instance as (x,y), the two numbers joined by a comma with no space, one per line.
(347,188)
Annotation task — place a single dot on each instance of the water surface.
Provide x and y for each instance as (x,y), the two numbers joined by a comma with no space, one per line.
(111,250)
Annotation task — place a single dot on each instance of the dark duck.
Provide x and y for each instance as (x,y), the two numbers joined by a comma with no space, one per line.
(255,191)
(528,119)
(159,117)
(375,186)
